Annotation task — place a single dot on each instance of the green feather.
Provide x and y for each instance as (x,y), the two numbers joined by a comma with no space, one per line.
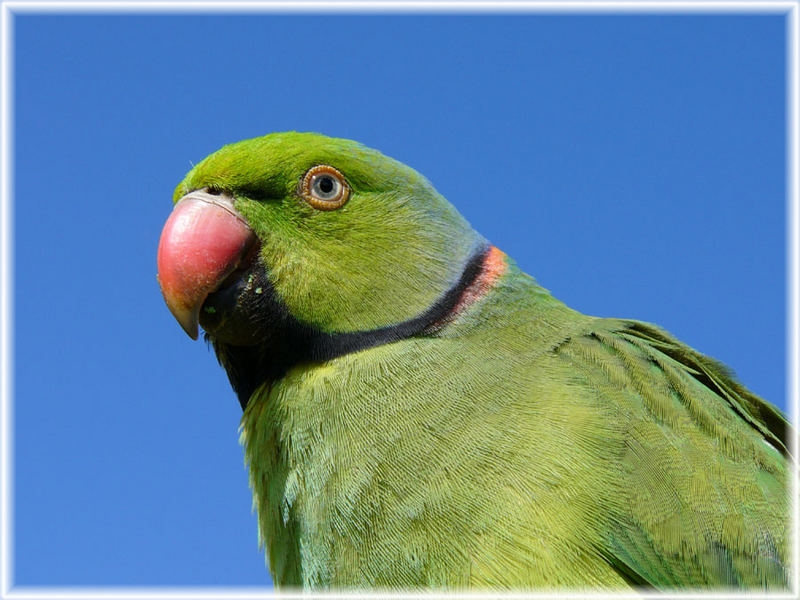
(519,445)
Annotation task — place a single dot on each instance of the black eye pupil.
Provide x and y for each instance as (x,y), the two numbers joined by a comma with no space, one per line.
(326,185)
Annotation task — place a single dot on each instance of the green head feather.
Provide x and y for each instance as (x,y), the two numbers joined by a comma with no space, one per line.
(400,242)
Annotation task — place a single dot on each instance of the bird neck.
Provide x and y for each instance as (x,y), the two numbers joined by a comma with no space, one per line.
(294,342)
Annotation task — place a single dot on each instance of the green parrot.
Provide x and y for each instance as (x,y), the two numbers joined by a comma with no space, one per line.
(419,413)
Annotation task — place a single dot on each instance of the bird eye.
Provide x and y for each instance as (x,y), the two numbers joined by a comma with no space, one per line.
(324,188)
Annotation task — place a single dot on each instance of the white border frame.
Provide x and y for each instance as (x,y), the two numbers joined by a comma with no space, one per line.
(790,8)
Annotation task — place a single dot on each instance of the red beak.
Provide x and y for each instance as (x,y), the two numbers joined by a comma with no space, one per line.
(203,241)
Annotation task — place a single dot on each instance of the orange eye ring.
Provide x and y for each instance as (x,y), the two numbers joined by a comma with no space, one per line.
(324,188)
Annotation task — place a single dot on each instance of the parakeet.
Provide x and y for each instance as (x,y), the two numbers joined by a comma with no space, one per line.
(420,413)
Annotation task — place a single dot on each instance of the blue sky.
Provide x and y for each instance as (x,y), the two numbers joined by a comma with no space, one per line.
(633,164)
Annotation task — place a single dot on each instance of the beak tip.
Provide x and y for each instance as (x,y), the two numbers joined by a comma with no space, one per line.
(187,318)
(191,330)
(188,321)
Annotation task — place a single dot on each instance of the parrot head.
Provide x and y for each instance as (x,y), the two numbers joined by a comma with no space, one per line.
(297,246)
